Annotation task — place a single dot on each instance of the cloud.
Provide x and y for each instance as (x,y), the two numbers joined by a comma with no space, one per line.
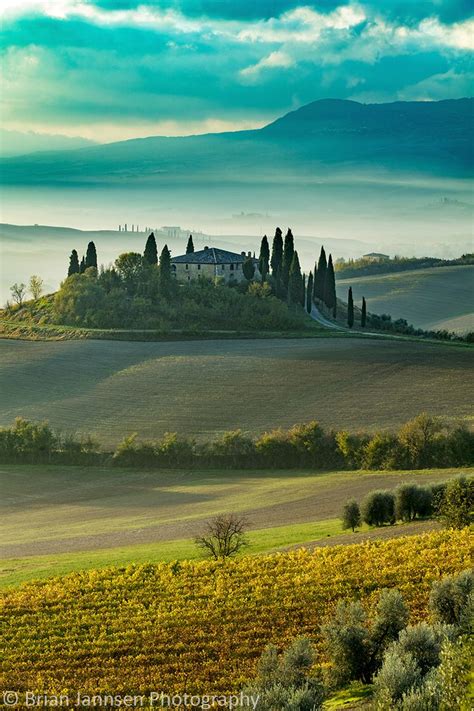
(118,68)
(273,61)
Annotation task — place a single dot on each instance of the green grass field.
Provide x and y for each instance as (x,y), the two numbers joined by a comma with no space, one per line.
(59,519)
(438,298)
(201,388)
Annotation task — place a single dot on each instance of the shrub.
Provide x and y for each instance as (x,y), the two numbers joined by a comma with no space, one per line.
(419,440)
(351,447)
(405,502)
(234,447)
(412,501)
(457,503)
(381,452)
(351,517)
(347,640)
(437,495)
(424,643)
(451,599)
(174,450)
(284,682)
(378,508)
(453,674)
(398,675)
(356,649)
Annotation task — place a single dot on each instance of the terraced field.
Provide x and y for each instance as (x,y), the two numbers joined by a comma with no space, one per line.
(439,298)
(201,388)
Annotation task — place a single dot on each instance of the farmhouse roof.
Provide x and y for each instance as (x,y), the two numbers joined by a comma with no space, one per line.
(210,255)
(376,254)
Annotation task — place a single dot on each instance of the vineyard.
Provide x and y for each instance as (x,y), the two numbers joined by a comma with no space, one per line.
(198,627)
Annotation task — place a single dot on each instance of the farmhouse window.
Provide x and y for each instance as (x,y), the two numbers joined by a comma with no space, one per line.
(199,266)
(231,267)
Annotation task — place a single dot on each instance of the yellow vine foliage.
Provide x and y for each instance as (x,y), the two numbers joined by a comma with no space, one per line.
(199,627)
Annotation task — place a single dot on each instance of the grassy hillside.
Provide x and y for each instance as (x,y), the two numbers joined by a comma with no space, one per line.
(202,388)
(200,626)
(80,518)
(429,298)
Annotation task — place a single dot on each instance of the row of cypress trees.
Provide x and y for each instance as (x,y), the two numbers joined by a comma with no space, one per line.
(284,266)
(324,282)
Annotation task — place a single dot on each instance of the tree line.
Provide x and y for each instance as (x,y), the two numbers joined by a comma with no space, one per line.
(422,442)
(451,501)
(366,266)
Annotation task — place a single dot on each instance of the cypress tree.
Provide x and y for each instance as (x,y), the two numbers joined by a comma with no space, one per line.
(350,309)
(288,252)
(303,291)
(150,255)
(91,256)
(248,268)
(82,266)
(295,281)
(309,293)
(330,286)
(363,317)
(315,275)
(190,245)
(264,258)
(73,263)
(320,278)
(277,255)
(165,269)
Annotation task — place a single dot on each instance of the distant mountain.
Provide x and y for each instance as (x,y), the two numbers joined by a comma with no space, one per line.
(19,143)
(433,138)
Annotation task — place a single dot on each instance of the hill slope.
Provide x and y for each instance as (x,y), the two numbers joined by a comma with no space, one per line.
(438,298)
(199,626)
(418,137)
(201,388)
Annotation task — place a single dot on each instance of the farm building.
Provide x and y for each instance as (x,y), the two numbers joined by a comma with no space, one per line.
(376,257)
(211,263)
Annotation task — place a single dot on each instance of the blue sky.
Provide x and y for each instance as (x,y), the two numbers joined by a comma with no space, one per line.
(113,69)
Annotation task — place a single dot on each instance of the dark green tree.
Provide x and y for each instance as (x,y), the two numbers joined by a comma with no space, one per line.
(351,517)
(190,245)
(248,268)
(150,255)
(264,258)
(277,255)
(309,293)
(73,263)
(363,316)
(330,286)
(320,276)
(82,266)
(288,252)
(350,309)
(165,270)
(295,281)
(91,256)
(303,292)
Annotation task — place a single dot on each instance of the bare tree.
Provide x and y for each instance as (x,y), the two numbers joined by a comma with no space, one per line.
(18,293)
(36,286)
(224,536)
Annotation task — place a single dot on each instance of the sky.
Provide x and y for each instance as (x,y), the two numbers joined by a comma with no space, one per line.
(109,70)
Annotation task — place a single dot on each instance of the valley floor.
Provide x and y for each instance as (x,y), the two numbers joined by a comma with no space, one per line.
(58,519)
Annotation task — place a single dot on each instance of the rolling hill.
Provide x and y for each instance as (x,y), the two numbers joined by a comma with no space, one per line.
(410,137)
(201,388)
(433,299)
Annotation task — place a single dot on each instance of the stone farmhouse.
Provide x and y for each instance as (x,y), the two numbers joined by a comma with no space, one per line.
(211,263)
